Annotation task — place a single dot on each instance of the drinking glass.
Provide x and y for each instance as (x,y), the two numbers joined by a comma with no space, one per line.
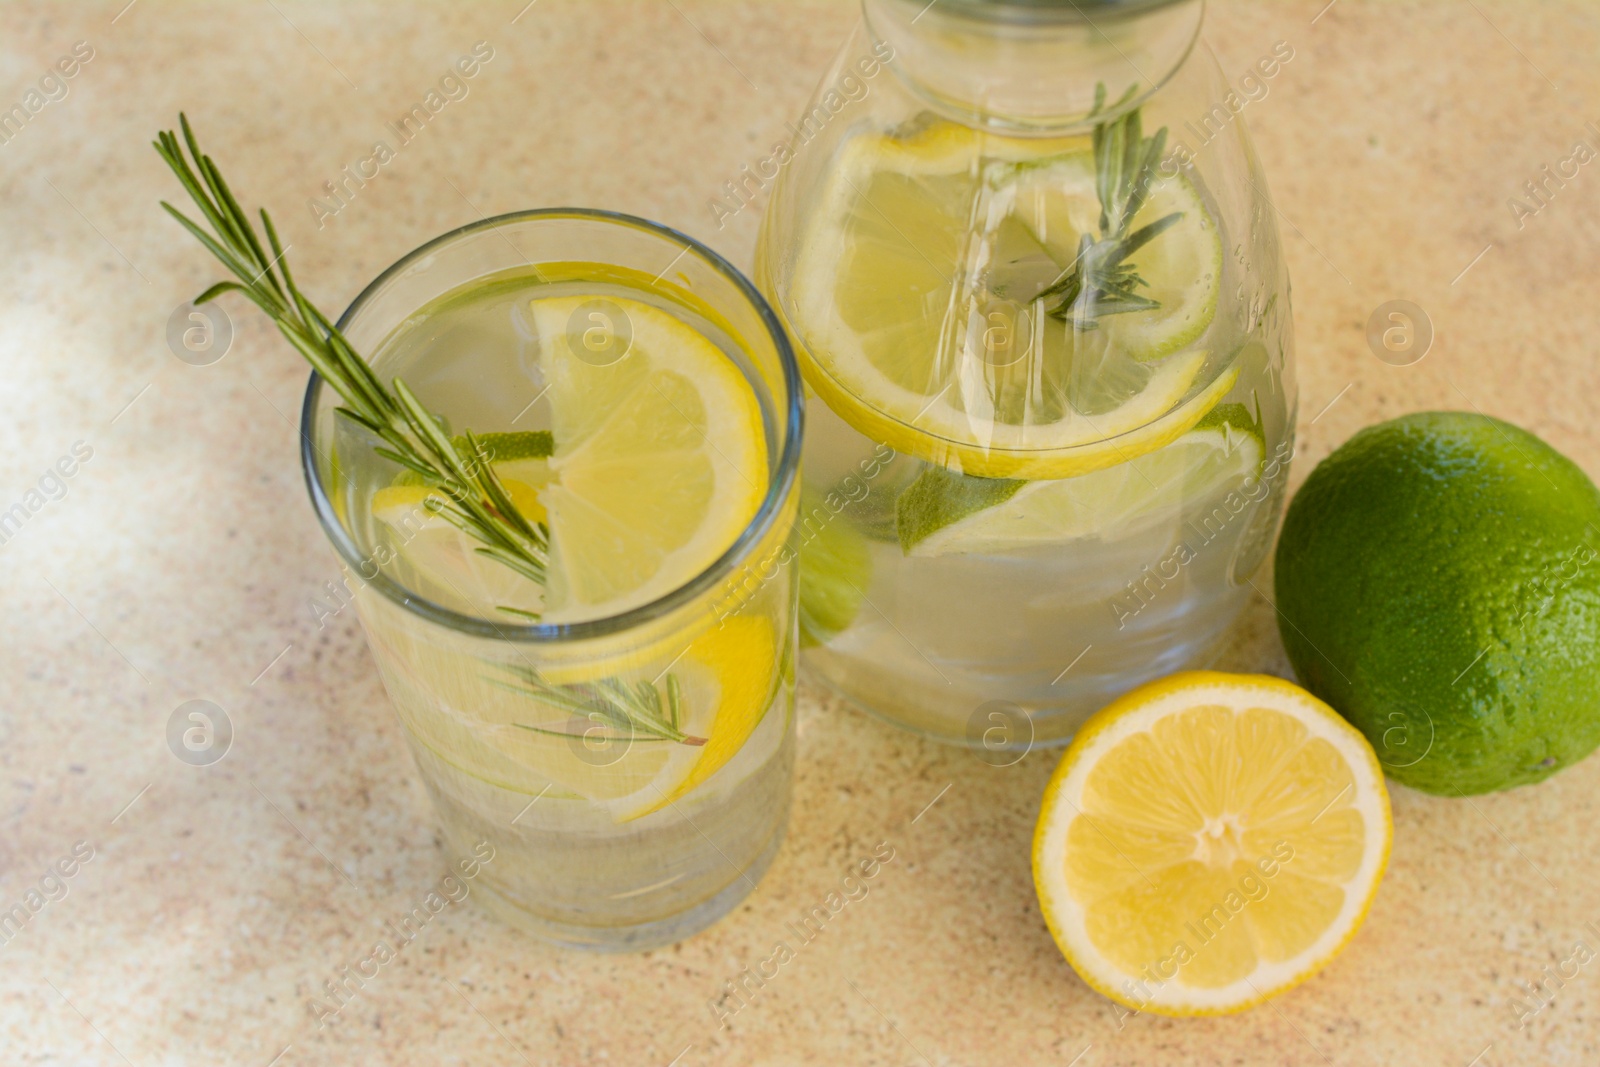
(602,837)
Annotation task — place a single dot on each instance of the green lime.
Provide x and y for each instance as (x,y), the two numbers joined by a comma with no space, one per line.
(835,567)
(944,513)
(1438,582)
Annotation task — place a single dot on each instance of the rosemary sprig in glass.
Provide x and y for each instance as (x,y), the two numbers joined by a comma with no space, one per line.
(1100,281)
(469,494)
(635,713)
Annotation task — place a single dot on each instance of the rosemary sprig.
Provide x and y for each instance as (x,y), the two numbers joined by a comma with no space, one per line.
(470,495)
(635,714)
(1100,281)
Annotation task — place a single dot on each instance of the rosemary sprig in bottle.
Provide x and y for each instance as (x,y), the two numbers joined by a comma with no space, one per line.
(469,494)
(1100,281)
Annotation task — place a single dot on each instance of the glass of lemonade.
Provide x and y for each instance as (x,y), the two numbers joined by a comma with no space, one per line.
(1032,272)
(621,733)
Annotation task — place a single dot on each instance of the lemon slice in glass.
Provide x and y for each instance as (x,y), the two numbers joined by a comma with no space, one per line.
(1208,841)
(434,557)
(660,457)
(916,296)
(659,462)
(479,718)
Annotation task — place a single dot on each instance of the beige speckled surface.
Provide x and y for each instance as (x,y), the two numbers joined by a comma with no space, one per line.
(180,562)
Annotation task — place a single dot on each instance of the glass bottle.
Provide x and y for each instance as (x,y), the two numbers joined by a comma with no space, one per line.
(1027,256)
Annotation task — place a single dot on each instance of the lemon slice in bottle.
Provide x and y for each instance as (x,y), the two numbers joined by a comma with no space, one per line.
(1208,841)
(915,296)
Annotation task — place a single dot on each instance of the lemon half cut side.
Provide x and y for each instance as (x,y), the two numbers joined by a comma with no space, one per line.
(1208,841)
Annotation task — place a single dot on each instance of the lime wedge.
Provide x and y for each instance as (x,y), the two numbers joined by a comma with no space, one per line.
(942,513)
(835,569)
(505,450)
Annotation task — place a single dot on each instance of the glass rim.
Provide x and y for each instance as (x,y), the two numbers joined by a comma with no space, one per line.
(791,418)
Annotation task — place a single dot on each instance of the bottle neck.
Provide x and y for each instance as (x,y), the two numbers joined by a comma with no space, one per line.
(1032,67)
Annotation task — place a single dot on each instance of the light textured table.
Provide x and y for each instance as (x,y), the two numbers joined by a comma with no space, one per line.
(181,560)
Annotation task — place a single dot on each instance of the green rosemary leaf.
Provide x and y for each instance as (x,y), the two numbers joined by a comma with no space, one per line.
(237,222)
(512,560)
(636,712)
(217,290)
(429,475)
(489,482)
(674,701)
(1099,282)
(1149,232)
(204,238)
(578,737)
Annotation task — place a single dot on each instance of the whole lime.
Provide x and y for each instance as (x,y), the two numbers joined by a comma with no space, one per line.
(1438,583)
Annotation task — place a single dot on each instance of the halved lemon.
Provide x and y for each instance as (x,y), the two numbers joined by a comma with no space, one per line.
(916,295)
(1208,841)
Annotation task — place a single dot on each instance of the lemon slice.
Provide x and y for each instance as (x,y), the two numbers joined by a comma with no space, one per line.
(1107,504)
(1208,841)
(915,294)
(730,676)
(660,458)
(1056,201)
(480,720)
(433,556)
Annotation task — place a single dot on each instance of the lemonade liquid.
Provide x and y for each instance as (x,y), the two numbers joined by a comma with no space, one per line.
(575,860)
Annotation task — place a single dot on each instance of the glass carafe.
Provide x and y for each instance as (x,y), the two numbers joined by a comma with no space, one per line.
(1027,255)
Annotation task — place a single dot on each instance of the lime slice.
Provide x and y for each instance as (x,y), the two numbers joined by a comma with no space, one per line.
(944,514)
(505,451)
(916,294)
(660,459)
